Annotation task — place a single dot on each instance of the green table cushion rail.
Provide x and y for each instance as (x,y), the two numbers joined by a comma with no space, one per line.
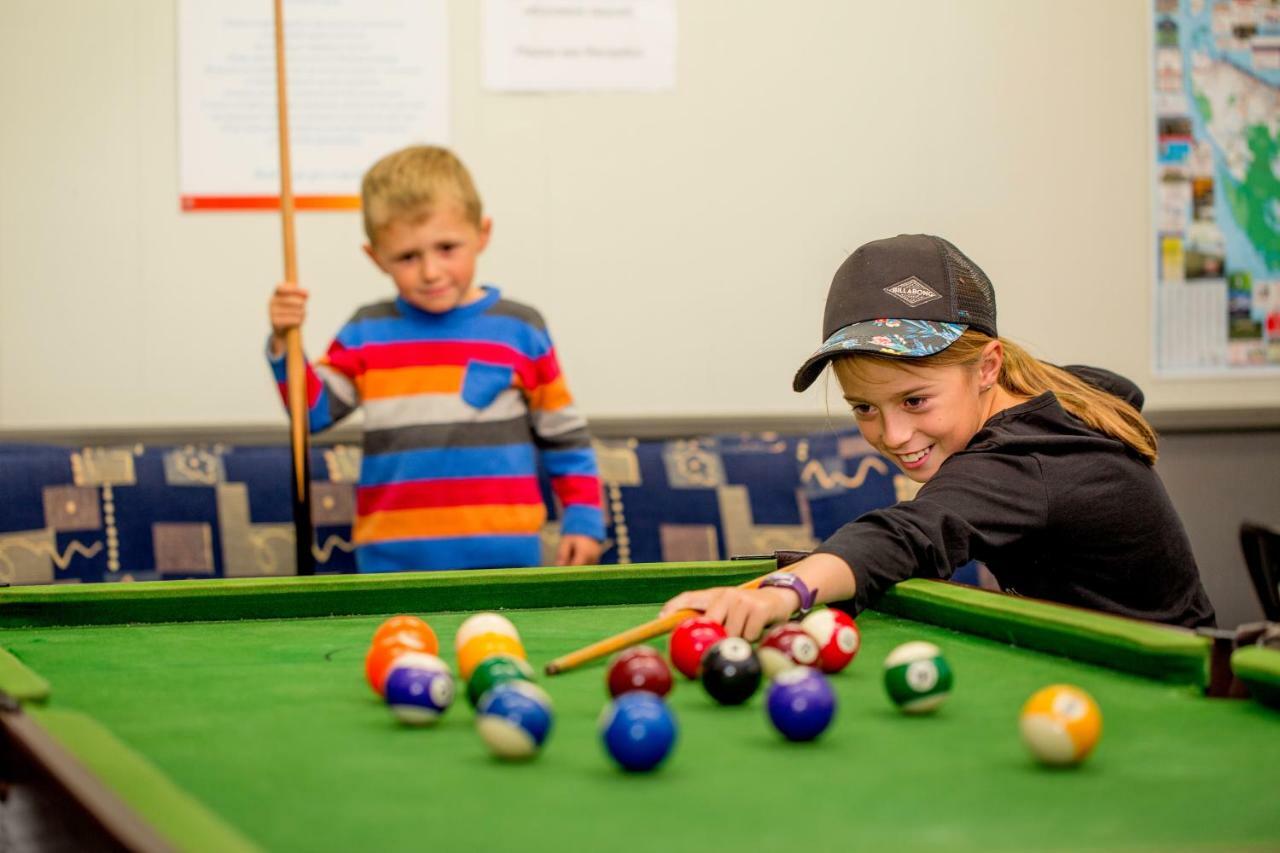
(20,682)
(1156,651)
(174,813)
(1259,668)
(353,595)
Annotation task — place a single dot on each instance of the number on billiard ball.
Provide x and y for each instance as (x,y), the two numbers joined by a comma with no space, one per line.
(731,671)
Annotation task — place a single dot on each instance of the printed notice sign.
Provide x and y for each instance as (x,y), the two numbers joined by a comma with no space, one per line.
(363,79)
(585,46)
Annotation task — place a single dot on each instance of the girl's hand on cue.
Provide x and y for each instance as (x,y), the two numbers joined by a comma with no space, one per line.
(743,612)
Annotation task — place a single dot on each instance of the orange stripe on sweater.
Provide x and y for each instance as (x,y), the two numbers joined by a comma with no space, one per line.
(494,520)
(551,397)
(403,381)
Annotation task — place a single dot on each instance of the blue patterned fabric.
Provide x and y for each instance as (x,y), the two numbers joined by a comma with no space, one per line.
(149,512)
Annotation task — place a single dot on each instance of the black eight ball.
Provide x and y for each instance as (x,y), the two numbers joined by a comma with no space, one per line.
(731,671)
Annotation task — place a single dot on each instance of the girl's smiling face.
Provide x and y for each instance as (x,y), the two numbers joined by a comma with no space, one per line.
(919,414)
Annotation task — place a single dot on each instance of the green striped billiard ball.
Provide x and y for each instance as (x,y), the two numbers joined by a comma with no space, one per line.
(493,671)
(917,677)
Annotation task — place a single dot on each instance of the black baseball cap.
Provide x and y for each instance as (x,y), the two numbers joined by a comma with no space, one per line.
(908,296)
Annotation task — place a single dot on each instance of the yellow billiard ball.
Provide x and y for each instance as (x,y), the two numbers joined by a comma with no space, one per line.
(1060,724)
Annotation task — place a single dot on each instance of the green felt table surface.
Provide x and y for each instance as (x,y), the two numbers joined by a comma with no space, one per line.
(270,725)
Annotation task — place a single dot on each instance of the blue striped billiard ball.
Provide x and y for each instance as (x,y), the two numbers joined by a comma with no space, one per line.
(514,719)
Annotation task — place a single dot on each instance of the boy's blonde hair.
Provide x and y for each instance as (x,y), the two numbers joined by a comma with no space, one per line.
(411,183)
(1025,375)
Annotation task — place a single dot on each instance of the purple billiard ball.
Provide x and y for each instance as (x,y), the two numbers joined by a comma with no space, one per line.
(801,703)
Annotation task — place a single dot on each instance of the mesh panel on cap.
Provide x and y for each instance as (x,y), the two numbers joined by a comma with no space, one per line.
(972,289)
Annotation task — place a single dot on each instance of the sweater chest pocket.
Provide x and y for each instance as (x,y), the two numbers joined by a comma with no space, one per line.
(483,382)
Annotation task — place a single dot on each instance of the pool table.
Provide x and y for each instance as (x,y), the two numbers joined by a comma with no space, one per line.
(233,714)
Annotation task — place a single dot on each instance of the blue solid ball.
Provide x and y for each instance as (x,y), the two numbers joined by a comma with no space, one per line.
(801,703)
(638,730)
(418,696)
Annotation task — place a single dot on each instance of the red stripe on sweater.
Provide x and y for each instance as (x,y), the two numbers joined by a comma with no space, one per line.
(546,369)
(314,387)
(577,489)
(463,491)
(418,353)
(346,361)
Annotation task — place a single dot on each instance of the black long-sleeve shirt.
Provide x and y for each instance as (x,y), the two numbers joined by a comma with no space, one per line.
(1055,509)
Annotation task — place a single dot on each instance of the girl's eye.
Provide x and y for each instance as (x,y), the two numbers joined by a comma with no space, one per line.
(914,402)
(861,410)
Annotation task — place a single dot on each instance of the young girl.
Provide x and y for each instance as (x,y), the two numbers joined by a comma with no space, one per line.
(1042,473)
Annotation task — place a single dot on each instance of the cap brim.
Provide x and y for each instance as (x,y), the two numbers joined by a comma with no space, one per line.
(898,338)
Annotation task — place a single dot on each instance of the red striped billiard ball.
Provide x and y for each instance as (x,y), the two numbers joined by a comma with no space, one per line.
(785,646)
(837,636)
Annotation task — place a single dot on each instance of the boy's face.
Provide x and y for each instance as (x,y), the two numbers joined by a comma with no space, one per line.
(917,416)
(432,260)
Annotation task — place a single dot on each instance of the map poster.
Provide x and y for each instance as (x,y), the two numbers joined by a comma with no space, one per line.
(1216,205)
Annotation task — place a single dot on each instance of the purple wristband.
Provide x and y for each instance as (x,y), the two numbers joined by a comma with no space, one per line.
(786,580)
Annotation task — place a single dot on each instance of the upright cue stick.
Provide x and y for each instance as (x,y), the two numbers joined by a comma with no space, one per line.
(638,634)
(295,365)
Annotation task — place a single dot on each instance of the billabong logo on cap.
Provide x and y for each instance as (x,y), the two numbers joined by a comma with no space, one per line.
(913,292)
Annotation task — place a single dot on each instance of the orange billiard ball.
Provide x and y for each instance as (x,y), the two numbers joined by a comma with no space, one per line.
(411,624)
(381,654)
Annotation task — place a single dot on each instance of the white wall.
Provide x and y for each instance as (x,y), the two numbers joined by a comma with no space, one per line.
(681,244)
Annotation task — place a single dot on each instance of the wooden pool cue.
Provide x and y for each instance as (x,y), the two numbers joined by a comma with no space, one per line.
(638,634)
(295,363)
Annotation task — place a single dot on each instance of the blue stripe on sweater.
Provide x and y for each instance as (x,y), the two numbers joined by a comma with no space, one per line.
(510,460)
(470,552)
(508,331)
(580,460)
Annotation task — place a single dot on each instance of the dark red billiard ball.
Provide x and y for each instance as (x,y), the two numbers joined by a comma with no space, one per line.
(786,646)
(690,641)
(639,668)
(731,671)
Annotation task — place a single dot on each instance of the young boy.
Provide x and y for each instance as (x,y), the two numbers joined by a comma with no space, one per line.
(1043,473)
(461,391)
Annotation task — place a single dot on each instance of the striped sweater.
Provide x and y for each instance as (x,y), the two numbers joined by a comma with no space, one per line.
(459,409)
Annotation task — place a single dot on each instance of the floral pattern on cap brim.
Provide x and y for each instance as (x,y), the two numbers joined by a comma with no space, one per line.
(906,338)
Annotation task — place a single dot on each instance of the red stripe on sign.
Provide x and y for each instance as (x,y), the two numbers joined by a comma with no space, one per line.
(268,202)
(462,491)
(577,489)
